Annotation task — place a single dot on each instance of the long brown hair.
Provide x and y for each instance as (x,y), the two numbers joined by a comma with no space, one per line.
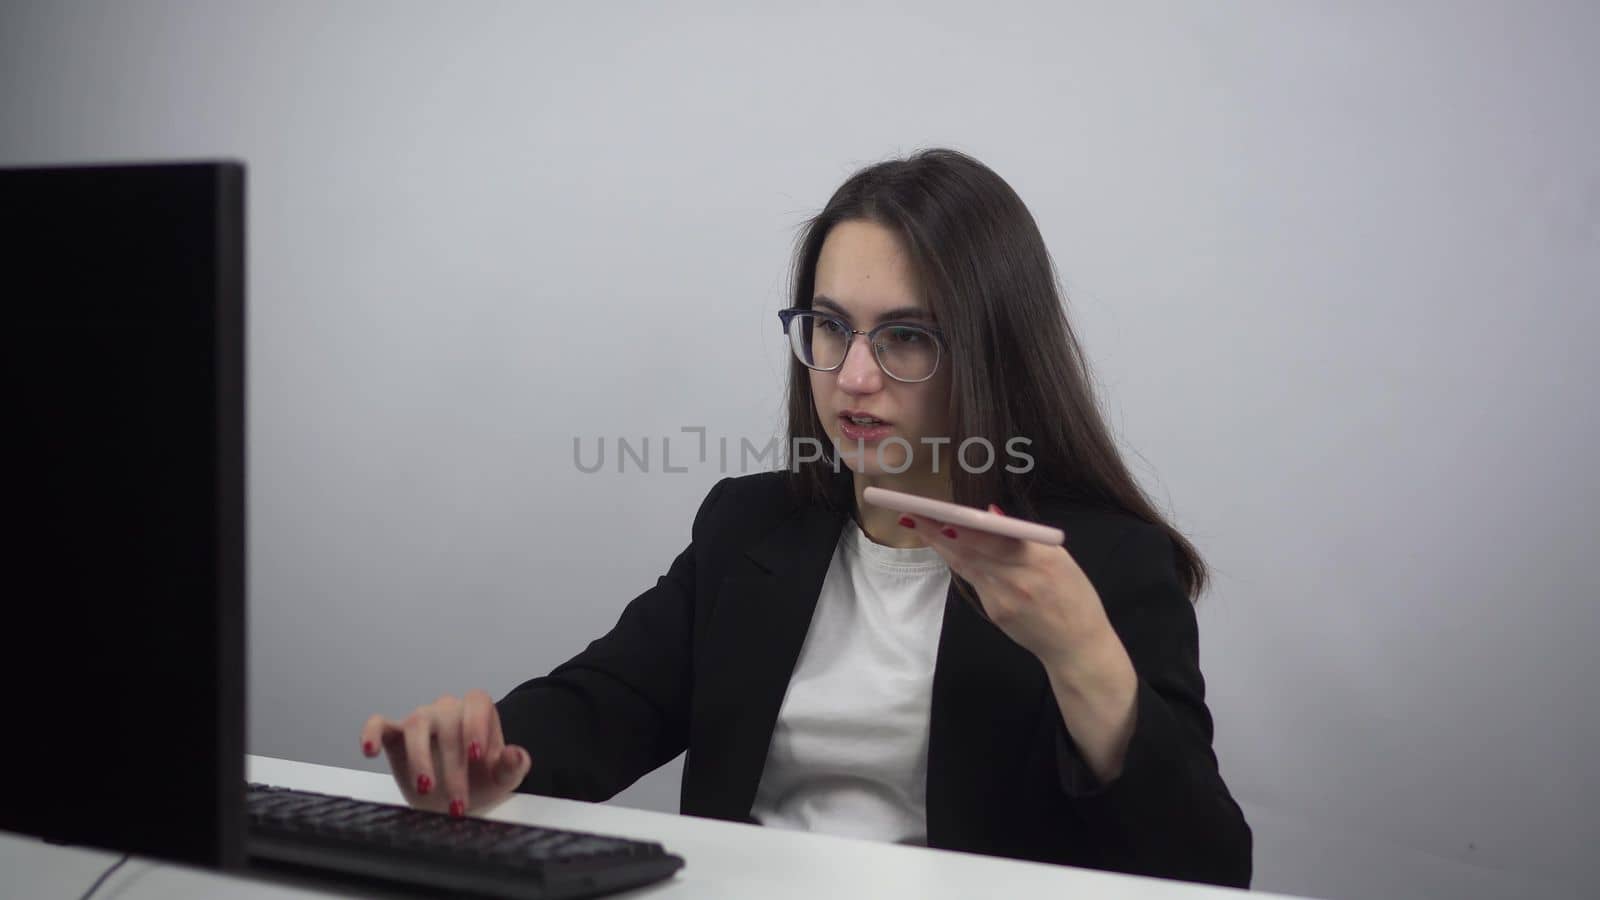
(1017,369)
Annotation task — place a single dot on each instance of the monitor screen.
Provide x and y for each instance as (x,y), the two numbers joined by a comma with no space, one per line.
(124,384)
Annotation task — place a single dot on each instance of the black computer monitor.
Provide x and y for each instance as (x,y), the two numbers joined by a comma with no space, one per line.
(124,379)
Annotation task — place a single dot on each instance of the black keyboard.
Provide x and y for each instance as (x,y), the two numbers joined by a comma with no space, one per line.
(426,852)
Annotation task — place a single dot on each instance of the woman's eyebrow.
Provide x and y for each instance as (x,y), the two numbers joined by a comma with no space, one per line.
(901,312)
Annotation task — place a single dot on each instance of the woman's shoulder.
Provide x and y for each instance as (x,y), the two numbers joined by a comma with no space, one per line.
(1106,541)
(748,504)
(764,493)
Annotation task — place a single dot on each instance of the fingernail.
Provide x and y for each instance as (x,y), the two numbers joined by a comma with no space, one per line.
(949,532)
(995,508)
(908,522)
(457,808)
(474,751)
(424,783)
(369,748)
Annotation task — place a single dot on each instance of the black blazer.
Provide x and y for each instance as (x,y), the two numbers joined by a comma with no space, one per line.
(701,662)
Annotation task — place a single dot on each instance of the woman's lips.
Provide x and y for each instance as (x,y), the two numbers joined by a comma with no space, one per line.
(853,432)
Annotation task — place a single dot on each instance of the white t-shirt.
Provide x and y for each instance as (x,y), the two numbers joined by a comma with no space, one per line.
(849,753)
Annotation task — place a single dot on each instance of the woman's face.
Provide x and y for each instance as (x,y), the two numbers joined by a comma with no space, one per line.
(863,276)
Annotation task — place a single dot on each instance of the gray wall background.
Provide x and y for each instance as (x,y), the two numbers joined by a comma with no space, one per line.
(1335,265)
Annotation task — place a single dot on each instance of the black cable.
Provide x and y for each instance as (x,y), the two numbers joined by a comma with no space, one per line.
(103,876)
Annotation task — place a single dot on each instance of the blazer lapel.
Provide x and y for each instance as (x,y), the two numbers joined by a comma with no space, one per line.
(763,612)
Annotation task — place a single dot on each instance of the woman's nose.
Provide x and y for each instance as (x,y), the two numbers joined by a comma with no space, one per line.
(860,373)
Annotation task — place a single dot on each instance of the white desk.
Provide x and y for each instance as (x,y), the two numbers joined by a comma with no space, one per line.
(722,859)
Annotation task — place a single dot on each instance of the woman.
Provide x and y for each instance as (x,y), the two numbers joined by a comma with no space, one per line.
(835,666)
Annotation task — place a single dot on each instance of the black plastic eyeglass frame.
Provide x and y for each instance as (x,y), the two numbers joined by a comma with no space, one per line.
(787,316)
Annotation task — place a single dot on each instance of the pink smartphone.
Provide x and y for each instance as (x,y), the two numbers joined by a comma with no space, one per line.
(966,516)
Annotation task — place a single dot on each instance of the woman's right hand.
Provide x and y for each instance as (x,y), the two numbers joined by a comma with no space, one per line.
(450,755)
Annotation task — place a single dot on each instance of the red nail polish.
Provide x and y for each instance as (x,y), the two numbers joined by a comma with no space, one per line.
(948,532)
(908,522)
(457,808)
(369,748)
(424,783)
(995,508)
(474,751)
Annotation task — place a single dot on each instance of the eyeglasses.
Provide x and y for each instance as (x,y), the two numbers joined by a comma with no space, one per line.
(906,351)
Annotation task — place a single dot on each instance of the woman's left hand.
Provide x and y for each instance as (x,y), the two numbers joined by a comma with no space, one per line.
(1034,593)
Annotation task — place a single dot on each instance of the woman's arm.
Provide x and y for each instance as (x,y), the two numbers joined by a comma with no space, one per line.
(1096,691)
(1121,653)
(1166,810)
